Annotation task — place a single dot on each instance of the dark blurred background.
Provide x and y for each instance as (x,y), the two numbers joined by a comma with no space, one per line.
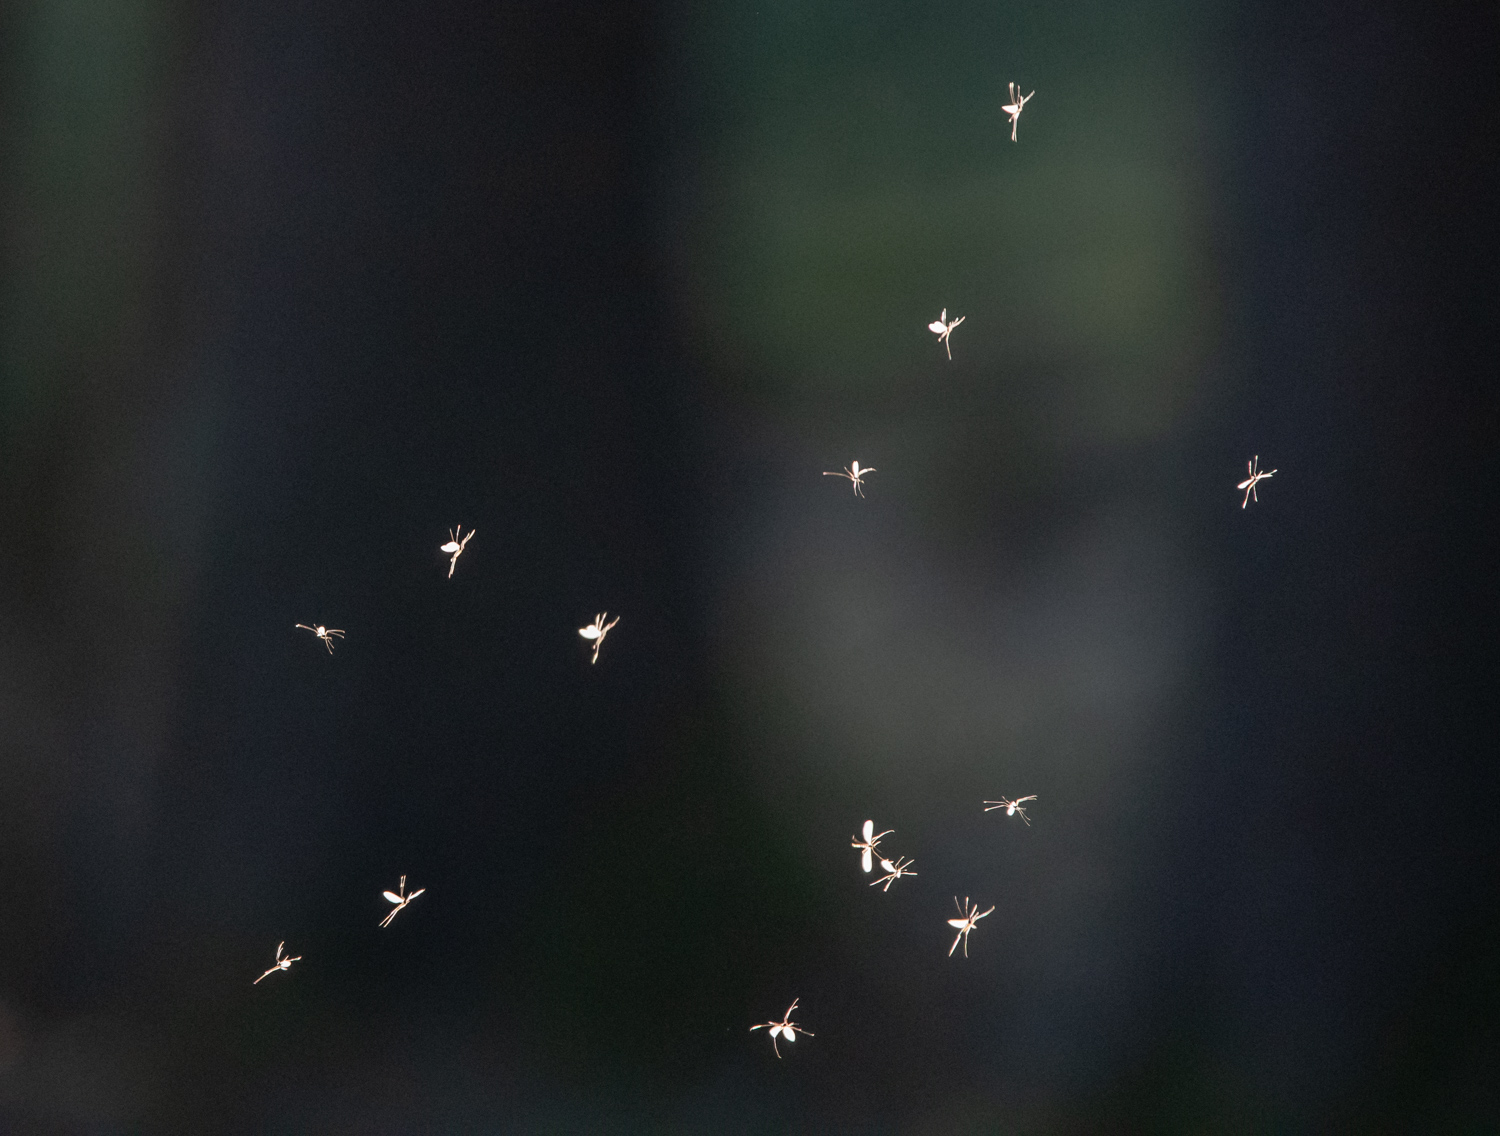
(290,289)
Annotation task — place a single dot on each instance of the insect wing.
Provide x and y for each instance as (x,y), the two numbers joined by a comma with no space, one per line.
(392,896)
(589,632)
(1245,483)
(936,327)
(788,1033)
(451,546)
(865,860)
(957,922)
(868,830)
(887,866)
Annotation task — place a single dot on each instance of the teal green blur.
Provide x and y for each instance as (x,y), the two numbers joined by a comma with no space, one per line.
(857,176)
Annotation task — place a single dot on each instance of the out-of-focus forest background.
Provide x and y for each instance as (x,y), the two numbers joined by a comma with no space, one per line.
(288,290)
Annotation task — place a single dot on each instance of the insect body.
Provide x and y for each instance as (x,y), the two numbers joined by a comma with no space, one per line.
(970,916)
(1013,108)
(399,900)
(281,964)
(893,872)
(1256,475)
(854,474)
(869,844)
(324,633)
(456,547)
(1012,808)
(943,329)
(783,1029)
(597,631)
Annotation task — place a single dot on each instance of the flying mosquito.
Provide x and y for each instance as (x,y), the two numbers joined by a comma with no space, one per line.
(783,1029)
(597,631)
(869,844)
(971,916)
(399,900)
(281,964)
(854,474)
(893,872)
(943,329)
(456,547)
(324,633)
(1014,108)
(1011,808)
(1256,475)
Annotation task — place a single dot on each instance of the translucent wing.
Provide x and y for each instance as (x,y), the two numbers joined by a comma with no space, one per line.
(865,859)
(936,327)
(957,922)
(887,866)
(451,546)
(1245,483)
(776,1031)
(589,632)
(788,1033)
(392,896)
(868,830)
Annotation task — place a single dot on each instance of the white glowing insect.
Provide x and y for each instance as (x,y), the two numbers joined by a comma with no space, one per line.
(456,547)
(971,916)
(854,474)
(869,844)
(943,329)
(1013,108)
(783,1029)
(1011,807)
(1256,475)
(324,633)
(281,964)
(399,900)
(893,872)
(597,631)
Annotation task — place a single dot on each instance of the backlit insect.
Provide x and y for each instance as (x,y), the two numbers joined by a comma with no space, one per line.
(1013,108)
(869,844)
(854,474)
(971,916)
(456,547)
(893,872)
(1012,808)
(1256,475)
(943,329)
(399,900)
(281,964)
(783,1029)
(597,631)
(324,633)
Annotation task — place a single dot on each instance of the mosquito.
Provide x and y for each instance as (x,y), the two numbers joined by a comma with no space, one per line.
(1256,475)
(281,964)
(869,844)
(894,872)
(324,633)
(943,329)
(399,900)
(971,916)
(597,631)
(783,1029)
(456,547)
(1014,108)
(1011,807)
(854,474)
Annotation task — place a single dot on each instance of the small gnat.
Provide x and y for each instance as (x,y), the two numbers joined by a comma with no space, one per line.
(324,633)
(855,474)
(1012,808)
(1257,475)
(597,631)
(969,916)
(942,328)
(785,1029)
(281,963)
(1014,108)
(868,845)
(455,546)
(400,901)
(893,872)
